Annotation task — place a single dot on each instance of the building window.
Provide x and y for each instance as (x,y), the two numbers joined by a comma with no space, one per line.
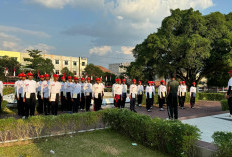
(57,72)
(65,62)
(57,61)
(74,63)
(83,63)
(75,72)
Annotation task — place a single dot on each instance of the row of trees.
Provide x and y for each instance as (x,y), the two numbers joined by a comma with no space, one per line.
(190,44)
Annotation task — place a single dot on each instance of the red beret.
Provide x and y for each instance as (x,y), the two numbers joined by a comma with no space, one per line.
(82,78)
(29,74)
(98,79)
(55,75)
(180,82)
(75,78)
(41,76)
(88,78)
(62,77)
(183,82)
(119,79)
(116,80)
(194,83)
(20,75)
(134,80)
(24,75)
(140,82)
(123,80)
(162,81)
(46,75)
(69,77)
(149,82)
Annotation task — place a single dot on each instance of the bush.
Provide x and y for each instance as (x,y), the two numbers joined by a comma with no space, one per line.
(8,90)
(4,109)
(223,141)
(172,137)
(211,96)
(224,105)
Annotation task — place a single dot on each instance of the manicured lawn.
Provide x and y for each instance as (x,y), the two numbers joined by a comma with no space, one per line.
(102,143)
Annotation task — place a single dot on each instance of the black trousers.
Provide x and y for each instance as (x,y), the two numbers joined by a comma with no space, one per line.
(54,105)
(179,100)
(118,102)
(30,105)
(172,106)
(47,106)
(132,104)
(63,102)
(88,102)
(140,98)
(124,95)
(182,100)
(76,103)
(97,102)
(82,101)
(40,104)
(149,101)
(230,104)
(21,106)
(69,102)
(161,102)
(0,102)
(192,101)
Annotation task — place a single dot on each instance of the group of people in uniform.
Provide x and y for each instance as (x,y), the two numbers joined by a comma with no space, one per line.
(76,95)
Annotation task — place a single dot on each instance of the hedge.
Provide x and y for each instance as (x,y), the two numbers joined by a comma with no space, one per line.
(223,141)
(8,90)
(211,96)
(167,136)
(224,105)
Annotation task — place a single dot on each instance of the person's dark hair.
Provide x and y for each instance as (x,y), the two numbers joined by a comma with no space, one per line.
(161,83)
(173,75)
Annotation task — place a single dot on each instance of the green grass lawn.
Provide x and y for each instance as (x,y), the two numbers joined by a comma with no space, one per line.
(102,143)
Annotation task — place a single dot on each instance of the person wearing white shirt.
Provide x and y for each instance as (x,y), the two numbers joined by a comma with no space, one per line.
(82,105)
(162,92)
(153,96)
(183,90)
(68,90)
(118,94)
(178,92)
(140,93)
(133,95)
(124,93)
(88,93)
(76,95)
(62,92)
(29,95)
(54,93)
(149,95)
(116,82)
(38,91)
(15,87)
(19,95)
(45,94)
(103,86)
(1,94)
(98,92)
(193,91)
(229,93)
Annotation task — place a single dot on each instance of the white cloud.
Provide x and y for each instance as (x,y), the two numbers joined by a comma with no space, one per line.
(120,17)
(5,36)
(23,31)
(127,50)
(42,47)
(100,50)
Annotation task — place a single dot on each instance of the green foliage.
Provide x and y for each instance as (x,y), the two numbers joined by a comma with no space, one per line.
(224,105)
(11,64)
(67,72)
(188,43)
(5,109)
(8,90)
(172,137)
(211,96)
(38,63)
(94,70)
(223,141)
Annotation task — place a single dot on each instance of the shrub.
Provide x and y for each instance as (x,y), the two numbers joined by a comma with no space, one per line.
(224,105)
(8,90)
(211,96)
(223,141)
(4,109)
(172,137)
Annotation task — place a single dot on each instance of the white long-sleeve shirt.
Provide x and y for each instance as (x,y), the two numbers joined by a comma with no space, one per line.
(113,88)
(20,85)
(54,87)
(45,89)
(183,90)
(97,89)
(140,89)
(82,87)
(68,88)
(29,87)
(193,90)
(103,86)
(150,90)
(62,89)
(15,86)
(1,88)
(76,89)
(162,89)
(88,89)
(118,89)
(124,88)
(39,86)
(133,90)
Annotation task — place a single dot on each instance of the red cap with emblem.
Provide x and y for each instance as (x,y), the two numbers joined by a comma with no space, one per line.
(88,78)
(24,75)
(75,78)
(29,74)
(69,77)
(41,76)
(98,79)
(82,78)
(134,80)
(123,80)
(20,75)
(55,75)
(46,75)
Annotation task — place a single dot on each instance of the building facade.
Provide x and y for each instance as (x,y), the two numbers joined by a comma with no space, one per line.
(118,68)
(74,64)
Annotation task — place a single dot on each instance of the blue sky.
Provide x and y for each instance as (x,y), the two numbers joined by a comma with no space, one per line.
(104,31)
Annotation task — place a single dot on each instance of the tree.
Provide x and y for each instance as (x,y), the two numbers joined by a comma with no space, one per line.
(93,70)
(67,72)
(187,43)
(11,64)
(37,63)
